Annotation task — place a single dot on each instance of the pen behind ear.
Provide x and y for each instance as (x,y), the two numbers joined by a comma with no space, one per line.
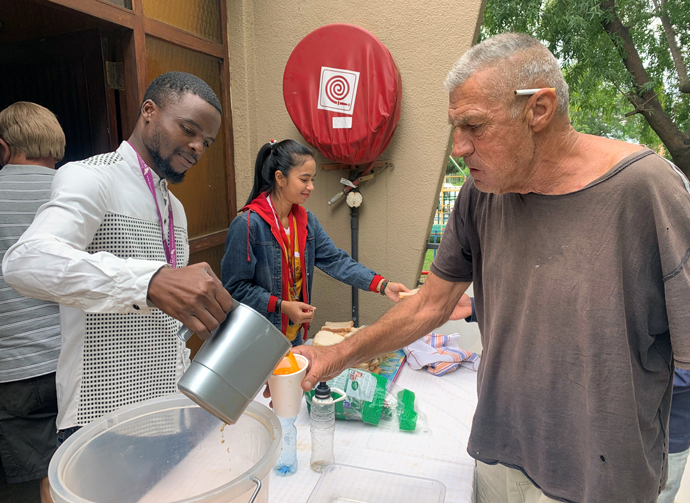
(528,92)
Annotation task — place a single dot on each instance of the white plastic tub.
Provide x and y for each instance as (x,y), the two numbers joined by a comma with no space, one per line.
(168,450)
(351,484)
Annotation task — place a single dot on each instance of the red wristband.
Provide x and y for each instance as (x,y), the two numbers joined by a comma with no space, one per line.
(375,282)
(272,301)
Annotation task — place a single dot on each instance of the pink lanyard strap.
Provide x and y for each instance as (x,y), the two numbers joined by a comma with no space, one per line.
(169,247)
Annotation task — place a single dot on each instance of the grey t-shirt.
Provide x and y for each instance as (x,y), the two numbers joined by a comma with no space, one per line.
(583,300)
(29,328)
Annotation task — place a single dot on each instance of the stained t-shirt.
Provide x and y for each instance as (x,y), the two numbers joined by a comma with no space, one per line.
(583,301)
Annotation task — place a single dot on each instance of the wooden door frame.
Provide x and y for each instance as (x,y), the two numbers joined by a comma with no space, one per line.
(137,27)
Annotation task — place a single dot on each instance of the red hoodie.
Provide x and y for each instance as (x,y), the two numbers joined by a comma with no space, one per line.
(262,208)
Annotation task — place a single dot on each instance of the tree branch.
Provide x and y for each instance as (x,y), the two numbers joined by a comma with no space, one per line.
(683,83)
(646,101)
(636,111)
(628,96)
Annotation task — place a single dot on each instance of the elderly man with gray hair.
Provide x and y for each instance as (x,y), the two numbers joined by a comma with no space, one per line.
(578,247)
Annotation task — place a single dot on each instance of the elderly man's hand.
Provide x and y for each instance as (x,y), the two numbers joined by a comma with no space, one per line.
(325,363)
(463,308)
(193,295)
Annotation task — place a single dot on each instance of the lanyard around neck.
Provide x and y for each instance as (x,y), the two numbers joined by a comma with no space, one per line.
(290,260)
(168,244)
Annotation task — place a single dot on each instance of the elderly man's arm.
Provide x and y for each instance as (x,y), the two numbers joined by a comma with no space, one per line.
(401,325)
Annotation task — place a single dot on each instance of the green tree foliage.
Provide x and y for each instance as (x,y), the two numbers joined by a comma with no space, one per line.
(456,171)
(624,60)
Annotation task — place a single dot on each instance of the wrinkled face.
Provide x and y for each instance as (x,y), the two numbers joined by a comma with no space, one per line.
(179,133)
(497,149)
(299,183)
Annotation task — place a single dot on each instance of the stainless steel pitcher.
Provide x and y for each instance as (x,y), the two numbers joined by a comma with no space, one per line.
(232,366)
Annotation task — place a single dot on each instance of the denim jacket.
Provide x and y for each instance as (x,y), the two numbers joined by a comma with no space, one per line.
(251,267)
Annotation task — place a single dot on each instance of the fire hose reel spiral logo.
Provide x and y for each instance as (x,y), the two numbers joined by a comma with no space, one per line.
(338,90)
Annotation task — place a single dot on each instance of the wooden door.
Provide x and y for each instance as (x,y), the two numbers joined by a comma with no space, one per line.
(64,73)
(148,37)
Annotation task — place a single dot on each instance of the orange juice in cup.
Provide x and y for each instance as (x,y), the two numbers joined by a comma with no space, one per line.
(287,365)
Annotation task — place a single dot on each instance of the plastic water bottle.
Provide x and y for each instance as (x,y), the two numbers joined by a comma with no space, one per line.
(287,462)
(322,428)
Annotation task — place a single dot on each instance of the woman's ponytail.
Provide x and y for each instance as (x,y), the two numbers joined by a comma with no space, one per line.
(261,184)
(281,156)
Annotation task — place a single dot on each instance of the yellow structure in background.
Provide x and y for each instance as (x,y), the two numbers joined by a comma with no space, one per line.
(446,201)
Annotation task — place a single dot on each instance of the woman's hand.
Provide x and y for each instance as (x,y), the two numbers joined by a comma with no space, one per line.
(392,290)
(298,312)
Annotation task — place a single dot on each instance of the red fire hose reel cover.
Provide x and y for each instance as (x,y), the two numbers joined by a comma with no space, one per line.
(342,90)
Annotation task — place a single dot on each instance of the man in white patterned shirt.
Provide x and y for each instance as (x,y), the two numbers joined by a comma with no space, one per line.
(111,248)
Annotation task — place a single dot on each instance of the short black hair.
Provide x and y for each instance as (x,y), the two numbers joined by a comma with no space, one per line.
(178,84)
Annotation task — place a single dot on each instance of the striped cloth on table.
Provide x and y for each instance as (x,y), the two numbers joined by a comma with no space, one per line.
(440,354)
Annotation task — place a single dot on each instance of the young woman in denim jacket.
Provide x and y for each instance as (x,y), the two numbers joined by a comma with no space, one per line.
(264,264)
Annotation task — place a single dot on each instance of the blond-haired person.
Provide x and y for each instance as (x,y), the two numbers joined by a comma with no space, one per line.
(31,143)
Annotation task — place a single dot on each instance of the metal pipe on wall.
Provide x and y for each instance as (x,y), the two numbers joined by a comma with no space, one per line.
(354,227)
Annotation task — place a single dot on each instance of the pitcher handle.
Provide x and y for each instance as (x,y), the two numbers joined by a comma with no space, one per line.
(256,491)
(185,333)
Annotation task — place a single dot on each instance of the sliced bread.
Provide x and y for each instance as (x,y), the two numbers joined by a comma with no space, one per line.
(402,295)
(339,324)
(341,331)
(324,338)
(353,331)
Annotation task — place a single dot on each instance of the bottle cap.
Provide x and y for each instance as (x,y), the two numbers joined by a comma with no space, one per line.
(322,391)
